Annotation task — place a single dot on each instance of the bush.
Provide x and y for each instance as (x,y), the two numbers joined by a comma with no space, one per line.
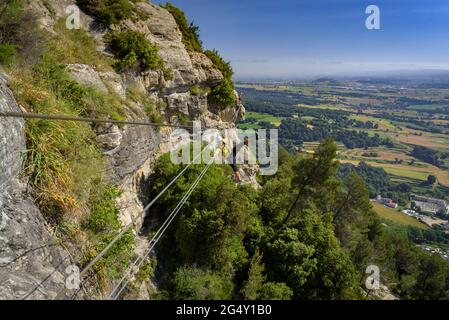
(168,74)
(223,94)
(195,91)
(131,47)
(184,119)
(146,271)
(220,64)
(190,32)
(197,284)
(108,12)
(103,217)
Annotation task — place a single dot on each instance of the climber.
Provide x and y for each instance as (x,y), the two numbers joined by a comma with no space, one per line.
(237,176)
(235,150)
(240,99)
(233,164)
(240,109)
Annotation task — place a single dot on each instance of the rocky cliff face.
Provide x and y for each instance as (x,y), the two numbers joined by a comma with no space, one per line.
(28,253)
(130,151)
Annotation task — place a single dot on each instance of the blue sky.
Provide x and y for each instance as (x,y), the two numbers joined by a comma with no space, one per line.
(294,38)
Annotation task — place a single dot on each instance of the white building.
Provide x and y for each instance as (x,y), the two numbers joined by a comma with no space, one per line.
(430,205)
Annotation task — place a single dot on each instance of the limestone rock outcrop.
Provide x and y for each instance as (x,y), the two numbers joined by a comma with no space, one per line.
(28,253)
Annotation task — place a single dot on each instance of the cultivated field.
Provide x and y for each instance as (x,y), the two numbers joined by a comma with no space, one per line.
(409,171)
(405,116)
(398,217)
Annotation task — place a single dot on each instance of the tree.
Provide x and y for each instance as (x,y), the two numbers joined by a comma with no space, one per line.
(355,221)
(276,291)
(253,286)
(311,174)
(213,237)
(306,256)
(431,179)
(274,200)
(442,214)
(213,223)
(290,260)
(432,277)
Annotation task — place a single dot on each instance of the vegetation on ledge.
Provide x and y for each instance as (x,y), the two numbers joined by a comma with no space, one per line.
(131,47)
(190,32)
(109,12)
(223,93)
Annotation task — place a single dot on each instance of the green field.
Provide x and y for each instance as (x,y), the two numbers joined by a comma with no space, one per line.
(384,124)
(416,175)
(264,117)
(324,107)
(430,107)
(398,217)
(373,132)
(245,126)
(396,161)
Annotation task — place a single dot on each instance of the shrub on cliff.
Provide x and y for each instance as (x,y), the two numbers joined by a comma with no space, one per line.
(223,94)
(107,12)
(190,32)
(220,63)
(131,47)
